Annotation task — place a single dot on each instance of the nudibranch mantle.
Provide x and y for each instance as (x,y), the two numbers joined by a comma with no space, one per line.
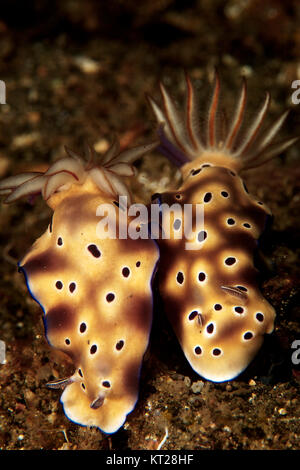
(95,293)
(211,295)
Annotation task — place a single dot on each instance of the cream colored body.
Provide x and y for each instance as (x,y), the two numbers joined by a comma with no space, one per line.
(222,241)
(126,318)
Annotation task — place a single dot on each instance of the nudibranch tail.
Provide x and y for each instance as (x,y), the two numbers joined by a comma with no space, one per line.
(75,169)
(182,140)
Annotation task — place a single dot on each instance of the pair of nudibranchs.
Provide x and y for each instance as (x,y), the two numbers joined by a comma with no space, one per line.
(96,293)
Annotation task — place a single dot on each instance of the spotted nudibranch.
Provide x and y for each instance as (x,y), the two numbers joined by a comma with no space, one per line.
(95,293)
(211,295)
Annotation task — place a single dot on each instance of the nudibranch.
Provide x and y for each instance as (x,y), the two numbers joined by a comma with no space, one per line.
(211,293)
(95,292)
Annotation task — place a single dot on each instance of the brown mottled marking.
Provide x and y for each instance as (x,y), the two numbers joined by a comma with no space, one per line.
(131,376)
(60,318)
(139,313)
(47,262)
